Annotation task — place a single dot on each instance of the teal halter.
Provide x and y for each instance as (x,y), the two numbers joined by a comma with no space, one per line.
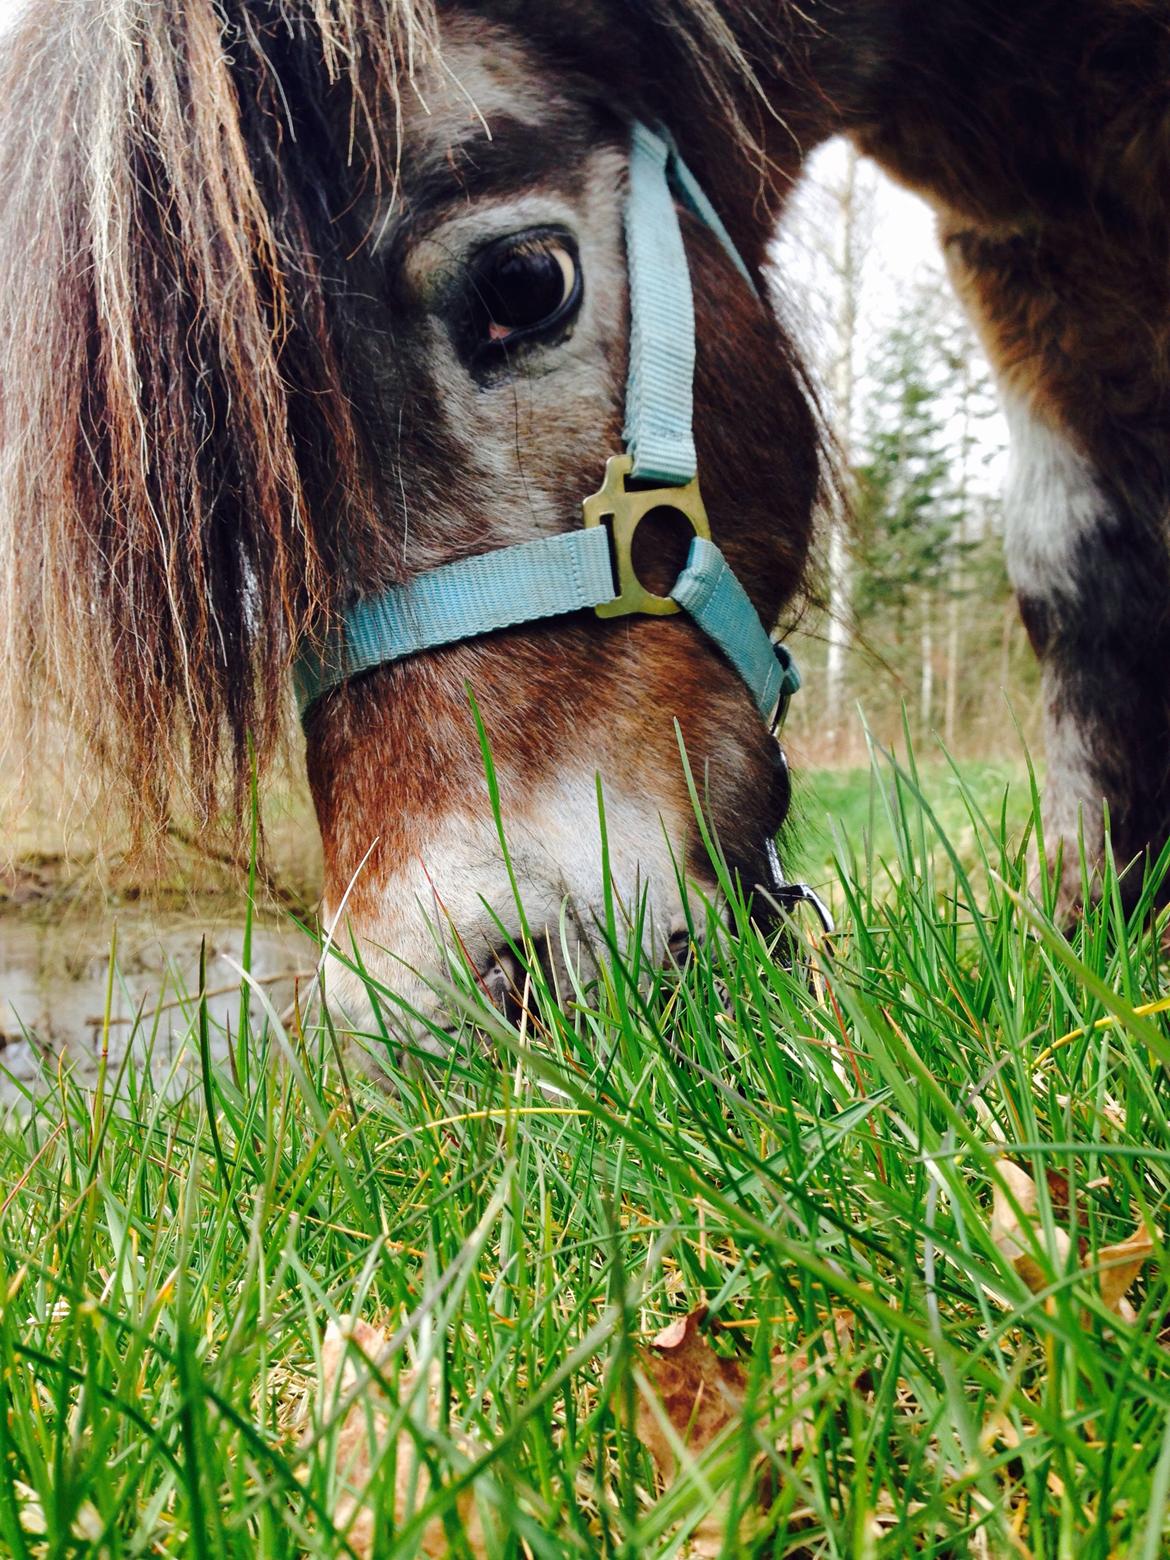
(557,575)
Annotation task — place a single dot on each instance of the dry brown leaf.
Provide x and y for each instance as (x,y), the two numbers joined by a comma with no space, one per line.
(365,1431)
(1117,1267)
(697,1393)
(1016,1239)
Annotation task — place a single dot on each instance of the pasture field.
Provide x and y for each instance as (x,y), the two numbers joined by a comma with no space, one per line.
(907,1187)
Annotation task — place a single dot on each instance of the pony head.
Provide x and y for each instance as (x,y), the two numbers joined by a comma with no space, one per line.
(300,299)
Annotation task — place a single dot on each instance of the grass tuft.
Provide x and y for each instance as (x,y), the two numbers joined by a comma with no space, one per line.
(805,1135)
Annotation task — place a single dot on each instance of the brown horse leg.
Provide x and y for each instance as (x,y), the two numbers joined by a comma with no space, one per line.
(1076,331)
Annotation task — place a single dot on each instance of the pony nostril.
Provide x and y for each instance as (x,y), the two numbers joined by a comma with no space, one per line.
(678,942)
(502,985)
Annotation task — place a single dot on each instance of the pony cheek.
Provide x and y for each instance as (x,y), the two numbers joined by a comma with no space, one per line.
(415,869)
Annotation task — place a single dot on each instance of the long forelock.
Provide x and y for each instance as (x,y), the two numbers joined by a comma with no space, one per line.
(159,550)
(179,472)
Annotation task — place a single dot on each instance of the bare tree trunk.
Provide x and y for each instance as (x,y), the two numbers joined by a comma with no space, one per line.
(954,617)
(838,632)
(954,636)
(926,692)
(844,387)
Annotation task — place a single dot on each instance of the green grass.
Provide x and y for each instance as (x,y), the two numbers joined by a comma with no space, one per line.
(845,812)
(787,1141)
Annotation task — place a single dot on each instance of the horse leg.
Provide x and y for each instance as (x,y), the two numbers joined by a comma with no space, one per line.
(1038,133)
(1076,332)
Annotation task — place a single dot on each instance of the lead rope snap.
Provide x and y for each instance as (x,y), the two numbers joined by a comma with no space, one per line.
(788,896)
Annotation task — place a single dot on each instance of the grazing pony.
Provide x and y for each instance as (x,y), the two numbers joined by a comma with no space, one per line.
(301,299)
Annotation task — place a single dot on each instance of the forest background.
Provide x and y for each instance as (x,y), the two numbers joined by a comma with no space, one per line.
(916,620)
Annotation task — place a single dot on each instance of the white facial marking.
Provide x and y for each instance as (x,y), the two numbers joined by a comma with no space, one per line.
(448,892)
(484,82)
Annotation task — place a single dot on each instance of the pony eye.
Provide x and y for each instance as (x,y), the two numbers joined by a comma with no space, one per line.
(522,288)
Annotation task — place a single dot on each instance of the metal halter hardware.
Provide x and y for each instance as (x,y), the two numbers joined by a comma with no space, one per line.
(553,576)
(626,508)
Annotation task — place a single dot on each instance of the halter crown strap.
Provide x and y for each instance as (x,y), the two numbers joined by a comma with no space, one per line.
(660,414)
(660,386)
(557,575)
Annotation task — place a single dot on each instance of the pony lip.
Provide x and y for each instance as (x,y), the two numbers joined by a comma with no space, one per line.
(431,895)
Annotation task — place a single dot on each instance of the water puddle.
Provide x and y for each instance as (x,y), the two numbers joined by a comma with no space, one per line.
(53,980)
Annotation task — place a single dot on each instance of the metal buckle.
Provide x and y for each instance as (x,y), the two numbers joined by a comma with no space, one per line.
(787,896)
(627,509)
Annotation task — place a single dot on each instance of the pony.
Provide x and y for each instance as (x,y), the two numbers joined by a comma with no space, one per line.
(302,298)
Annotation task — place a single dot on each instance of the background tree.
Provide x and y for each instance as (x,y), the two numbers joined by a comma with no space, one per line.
(918,607)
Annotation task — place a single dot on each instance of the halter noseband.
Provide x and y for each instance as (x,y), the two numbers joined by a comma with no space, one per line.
(557,575)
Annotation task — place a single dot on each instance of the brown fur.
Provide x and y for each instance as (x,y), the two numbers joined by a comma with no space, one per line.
(610,692)
(1040,132)
(1048,163)
(602,696)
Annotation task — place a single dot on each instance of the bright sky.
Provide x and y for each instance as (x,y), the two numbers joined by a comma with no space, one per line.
(902,243)
(896,256)
(895,249)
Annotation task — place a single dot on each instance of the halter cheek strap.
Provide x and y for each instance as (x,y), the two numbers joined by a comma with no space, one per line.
(554,576)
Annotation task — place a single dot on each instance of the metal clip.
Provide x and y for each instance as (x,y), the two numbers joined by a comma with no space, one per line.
(627,509)
(789,684)
(788,895)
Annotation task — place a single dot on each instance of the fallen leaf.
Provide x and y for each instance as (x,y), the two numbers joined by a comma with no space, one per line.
(1072,1210)
(1118,1268)
(1015,1231)
(1059,1193)
(694,1394)
(1106,1108)
(362,1441)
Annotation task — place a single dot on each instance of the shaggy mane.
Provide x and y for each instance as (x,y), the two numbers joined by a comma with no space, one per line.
(180,477)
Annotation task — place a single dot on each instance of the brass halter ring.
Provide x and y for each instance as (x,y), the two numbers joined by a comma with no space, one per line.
(627,509)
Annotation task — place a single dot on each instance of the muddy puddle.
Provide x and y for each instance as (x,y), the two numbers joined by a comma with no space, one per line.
(53,983)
